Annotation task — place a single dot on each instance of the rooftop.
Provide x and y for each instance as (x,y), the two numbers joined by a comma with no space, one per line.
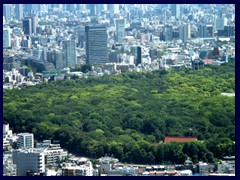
(179,139)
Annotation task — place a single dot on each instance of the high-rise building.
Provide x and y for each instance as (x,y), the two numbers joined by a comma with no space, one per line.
(202,30)
(25,140)
(114,8)
(139,56)
(27,26)
(6,37)
(29,160)
(120,24)
(185,32)
(220,23)
(27,9)
(69,53)
(93,9)
(19,12)
(168,33)
(58,59)
(210,30)
(7,11)
(175,10)
(71,7)
(34,21)
(96,45)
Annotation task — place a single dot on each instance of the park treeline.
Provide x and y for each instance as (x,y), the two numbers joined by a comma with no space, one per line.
(128,115)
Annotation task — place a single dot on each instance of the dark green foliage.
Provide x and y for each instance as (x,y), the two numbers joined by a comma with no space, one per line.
(129,115)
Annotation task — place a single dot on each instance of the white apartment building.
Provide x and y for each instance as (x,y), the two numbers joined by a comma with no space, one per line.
(25,140)
(53,152)
(71,169)
(28,160)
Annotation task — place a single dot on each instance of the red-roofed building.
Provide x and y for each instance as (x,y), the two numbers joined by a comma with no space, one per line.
(208,61)
(179,139)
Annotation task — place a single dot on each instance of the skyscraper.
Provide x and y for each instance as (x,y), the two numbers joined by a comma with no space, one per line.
(7,11)
(19,12)
(27,26)
(93,9)
(34,21)
(185,32)
(69,53)
(120,24)
(175,10)
(96,45)
(6,37)
(139,56)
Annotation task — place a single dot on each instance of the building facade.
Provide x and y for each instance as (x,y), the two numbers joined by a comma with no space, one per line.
(28,160)
(25,140)
(120,30)
(96,45)
(19,12)
(27,26)
(6,37)
(69,53)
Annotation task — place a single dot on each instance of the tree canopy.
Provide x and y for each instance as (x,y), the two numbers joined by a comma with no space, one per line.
(128,115)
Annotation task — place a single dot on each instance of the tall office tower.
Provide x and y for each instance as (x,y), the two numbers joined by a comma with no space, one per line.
(93,9)
(58,59)
(79,32)
(71,7)
(185,32)
(27,26)
(96,45)
(202,30)
(7,11)
(34,21)
(139,56)
(19,12)
(25,140)
(99,8)
(43,8)
(210,30)
(175,10)
(6,37)
(35,8)
(114,8)
(27,9)
(120,24)
(69,53)
(168,33)
(29,160)
(220,23)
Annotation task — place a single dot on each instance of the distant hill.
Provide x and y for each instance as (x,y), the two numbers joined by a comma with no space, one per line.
(128,115)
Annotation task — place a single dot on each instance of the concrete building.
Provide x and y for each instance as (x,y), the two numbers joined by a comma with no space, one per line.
(27,26)
(19,12)
(203,168)
(175,10)
(70,169)
(25,140)
(53,153)
(96,45)
(69,53)
(227,165)
(185,32)
(120,30)
(28,160)
(7,11)
(6,37)
(34,21)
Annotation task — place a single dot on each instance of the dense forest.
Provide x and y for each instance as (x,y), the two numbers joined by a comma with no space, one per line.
(128,115)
